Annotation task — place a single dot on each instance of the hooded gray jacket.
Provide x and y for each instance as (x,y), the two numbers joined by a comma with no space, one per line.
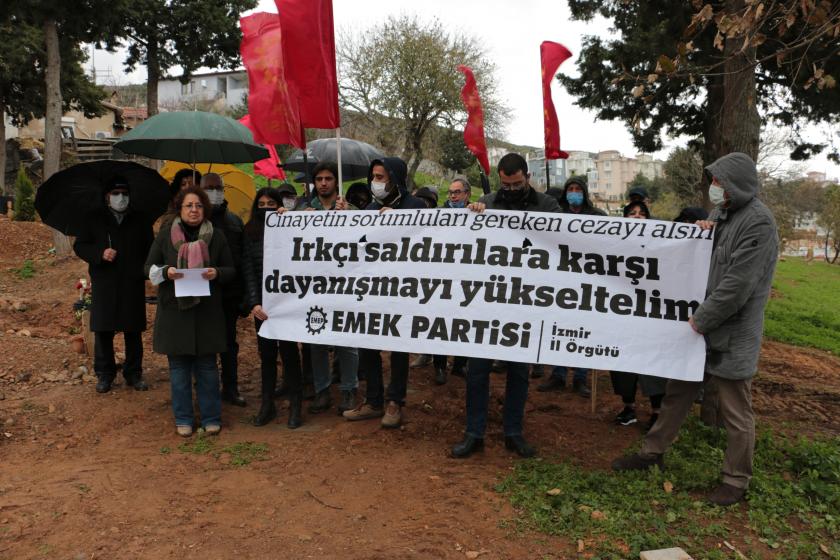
(741,271)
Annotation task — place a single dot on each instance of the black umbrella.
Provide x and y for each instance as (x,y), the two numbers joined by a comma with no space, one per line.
(355,157)
(66,200)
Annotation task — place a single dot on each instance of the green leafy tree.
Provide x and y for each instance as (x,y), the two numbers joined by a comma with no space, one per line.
(829,219)
(191,34)
(708,71)
(24,198)
(454,154)
(405,73)
(654,187)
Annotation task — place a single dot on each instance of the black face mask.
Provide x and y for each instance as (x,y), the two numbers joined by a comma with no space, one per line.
(511,196)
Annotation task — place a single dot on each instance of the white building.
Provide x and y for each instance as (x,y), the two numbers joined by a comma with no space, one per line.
(227,88)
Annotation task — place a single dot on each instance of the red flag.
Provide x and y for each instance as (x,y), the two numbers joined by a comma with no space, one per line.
(309,52)
(474,129)
(276,116)
(552,56)
(270,166)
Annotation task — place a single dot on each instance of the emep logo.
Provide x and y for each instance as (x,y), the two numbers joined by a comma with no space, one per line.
(316,320)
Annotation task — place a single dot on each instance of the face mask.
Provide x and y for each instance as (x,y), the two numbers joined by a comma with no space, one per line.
(289,203)
(118,202)
(460,204)
(574,198)
(513,196)
(216,196)
(716,195)
(379,190)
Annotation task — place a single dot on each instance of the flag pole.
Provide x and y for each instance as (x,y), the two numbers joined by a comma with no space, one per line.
(338,157)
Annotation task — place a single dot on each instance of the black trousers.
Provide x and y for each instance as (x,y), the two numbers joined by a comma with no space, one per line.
(230,358)
(458,362)
(288,351)
(375,393)
(104,364)
(624,385)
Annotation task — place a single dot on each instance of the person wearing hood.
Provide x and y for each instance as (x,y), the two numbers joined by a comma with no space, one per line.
(288,196)
(387,184)
(515,193)
(114,244)
(232,226)
(267,200)
(358,194)
(731,319)
(573,199)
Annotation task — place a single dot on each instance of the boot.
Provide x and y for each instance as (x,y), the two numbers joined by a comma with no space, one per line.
(322,402)
(467,447)
(348,401)
(103,383)
(267,413)
(295,403)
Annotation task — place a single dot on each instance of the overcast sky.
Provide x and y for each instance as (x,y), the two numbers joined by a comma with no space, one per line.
(511,32)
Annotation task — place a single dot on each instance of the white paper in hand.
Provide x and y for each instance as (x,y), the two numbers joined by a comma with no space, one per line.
(192,284)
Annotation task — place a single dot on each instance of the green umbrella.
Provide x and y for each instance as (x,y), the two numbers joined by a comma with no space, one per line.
(193,136)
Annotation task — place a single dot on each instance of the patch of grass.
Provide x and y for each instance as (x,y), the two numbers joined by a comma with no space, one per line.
(165,450)
(26,271)
(83,488)
(243,453)
(805,307)
(792,510)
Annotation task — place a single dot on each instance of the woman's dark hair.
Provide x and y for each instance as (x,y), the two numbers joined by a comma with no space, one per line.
(178,201)
(255,225)
(641,205)
(175,186)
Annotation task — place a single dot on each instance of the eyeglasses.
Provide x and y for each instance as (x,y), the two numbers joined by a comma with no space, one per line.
(194,205)
(455,193)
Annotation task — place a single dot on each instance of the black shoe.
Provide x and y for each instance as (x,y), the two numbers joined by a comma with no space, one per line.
(627,416)
(322,402)
(726,495)
(553,383)
(137,383)
(267,413)
(295,404)
(522,447)
(103,384)
(233,397)
(536,371)
(579,387)
(467,447)
(348,401)
(638,462)
(440,376)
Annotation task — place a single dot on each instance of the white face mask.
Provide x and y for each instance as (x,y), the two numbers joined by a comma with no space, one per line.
(379,190)
(118,202)
(216,196)
(716,194)
(289,203)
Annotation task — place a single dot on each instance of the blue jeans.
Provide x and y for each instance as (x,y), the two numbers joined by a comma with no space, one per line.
(181,370)
(348,364)
(579,375)
(478,396)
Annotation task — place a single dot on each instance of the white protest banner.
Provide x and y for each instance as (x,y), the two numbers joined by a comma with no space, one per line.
(561,289)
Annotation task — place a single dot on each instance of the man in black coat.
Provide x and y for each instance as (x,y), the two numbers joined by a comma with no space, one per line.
(232,226)
(115,245)
(386,177)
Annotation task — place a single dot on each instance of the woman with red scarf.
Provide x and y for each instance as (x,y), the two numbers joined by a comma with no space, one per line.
(190,330)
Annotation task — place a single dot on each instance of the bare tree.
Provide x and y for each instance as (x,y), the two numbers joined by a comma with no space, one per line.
(401,78)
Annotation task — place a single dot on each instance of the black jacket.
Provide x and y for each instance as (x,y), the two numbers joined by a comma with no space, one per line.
(397,172)
(118,288)
(534,202)
(587,207)
(232,226)
(252,268)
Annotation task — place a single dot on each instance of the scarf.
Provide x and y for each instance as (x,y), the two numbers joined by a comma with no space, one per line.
(191,254)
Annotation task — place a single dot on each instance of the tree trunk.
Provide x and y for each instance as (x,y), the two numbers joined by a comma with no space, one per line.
(52,120)
(2,152)
(733,123)
(153,70)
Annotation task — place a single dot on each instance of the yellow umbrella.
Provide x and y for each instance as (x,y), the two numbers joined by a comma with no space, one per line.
(239,186)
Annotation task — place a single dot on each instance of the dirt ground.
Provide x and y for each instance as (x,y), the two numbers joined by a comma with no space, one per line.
(101,476)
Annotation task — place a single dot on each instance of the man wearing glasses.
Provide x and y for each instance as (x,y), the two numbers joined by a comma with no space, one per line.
(459,194)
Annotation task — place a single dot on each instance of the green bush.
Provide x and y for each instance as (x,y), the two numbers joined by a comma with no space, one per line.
(24,198)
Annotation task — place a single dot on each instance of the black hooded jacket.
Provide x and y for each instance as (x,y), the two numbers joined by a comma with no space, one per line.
(586,208)
(397,171)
